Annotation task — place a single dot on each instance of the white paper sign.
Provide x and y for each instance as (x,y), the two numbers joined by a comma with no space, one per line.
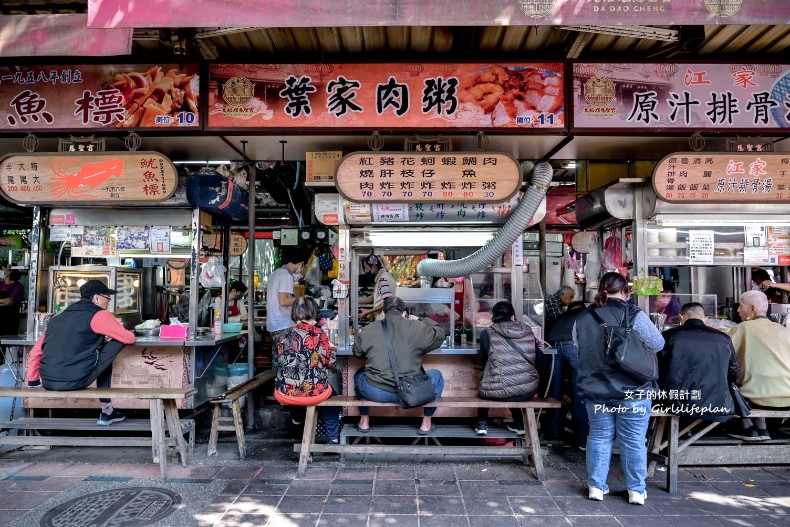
(160,240)
(755,246)
(701,247)
(386,212)
(60,233)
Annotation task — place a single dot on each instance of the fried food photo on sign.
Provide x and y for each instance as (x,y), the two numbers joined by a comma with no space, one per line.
(507,93)
(154,93)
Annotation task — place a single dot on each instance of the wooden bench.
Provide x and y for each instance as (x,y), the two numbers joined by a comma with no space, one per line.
(531,446)
(162,403)
(34,424)
(709,451)
(233,423)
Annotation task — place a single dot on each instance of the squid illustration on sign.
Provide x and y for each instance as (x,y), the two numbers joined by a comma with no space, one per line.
(77,179)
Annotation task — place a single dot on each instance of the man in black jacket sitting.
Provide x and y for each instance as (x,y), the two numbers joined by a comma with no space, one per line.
(697,366)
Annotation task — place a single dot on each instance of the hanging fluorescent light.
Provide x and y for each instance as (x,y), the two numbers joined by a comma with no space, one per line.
(653,33)
(211,162)
(428,239)
(721,221)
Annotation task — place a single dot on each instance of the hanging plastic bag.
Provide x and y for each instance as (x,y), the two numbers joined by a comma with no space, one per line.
(332,273)
(612,252)
(313,274)
(212,273)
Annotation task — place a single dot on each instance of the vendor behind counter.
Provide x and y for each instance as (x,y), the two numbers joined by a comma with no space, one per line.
(12,294)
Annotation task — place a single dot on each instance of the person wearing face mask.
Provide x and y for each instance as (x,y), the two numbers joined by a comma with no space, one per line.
(384,285)
(12,293)
(281,294)
(237,311)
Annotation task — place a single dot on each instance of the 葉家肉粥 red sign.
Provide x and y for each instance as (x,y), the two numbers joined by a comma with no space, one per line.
(726,177)
(405,177)
(83,97)
(87,178)
(375,96)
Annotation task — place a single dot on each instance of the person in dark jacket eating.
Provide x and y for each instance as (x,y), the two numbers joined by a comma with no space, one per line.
(78,347)
(698,362)
(412,338)
(507,350)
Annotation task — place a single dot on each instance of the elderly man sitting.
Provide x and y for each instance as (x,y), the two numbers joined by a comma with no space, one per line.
(763,351)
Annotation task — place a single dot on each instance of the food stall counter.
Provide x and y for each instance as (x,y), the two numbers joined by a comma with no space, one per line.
(205,340)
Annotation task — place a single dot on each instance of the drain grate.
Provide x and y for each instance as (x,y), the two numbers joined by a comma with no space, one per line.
(124,507)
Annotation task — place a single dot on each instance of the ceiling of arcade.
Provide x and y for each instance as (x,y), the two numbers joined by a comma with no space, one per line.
(350,44)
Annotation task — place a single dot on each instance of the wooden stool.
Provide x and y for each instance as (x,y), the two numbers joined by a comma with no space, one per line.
(233,423)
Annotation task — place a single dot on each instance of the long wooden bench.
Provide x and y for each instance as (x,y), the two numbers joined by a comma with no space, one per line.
(162,403)
(35,424)
(531,446)
(233,423)
(700,451)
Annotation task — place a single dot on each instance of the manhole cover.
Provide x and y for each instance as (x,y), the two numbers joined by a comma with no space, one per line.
(126,507)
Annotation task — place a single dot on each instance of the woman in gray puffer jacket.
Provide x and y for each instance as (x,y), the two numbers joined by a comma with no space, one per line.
(507,351)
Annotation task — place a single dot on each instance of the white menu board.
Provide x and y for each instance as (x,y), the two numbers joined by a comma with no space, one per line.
(701,247)
(755,246)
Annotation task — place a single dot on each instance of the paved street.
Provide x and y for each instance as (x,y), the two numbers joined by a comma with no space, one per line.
(264,490)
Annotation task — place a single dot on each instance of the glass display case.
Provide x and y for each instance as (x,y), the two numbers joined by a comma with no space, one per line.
(493,285)
(65,283)
(664,309)
(434,303)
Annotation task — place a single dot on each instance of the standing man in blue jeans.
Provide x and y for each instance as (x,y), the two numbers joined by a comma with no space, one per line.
(412,338)
(617,405)
(566,364)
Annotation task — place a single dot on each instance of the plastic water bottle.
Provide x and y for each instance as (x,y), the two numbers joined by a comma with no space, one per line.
(217,322)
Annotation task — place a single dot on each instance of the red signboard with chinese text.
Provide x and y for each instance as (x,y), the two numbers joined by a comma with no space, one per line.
(88,178)
(732,177)
(407,177)
(382,96)
(727,97)
(90,97)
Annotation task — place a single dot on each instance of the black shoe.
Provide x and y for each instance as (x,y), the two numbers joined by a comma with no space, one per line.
(108,419)
(764,435)
(481,429)
(750,435)
(518,429)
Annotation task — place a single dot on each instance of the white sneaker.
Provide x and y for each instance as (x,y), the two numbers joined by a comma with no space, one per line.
(597,494)
(637,498)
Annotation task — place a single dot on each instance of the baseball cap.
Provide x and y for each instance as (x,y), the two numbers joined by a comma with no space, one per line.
(95,287)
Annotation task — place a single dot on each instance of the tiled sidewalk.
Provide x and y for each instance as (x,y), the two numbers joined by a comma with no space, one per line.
(494,494)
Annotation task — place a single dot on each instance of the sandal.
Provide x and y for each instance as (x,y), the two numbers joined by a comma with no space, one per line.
(422,432)
(362,430)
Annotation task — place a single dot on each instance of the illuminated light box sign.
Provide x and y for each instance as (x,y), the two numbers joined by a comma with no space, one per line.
(406,177)
(88,178)
(519,96)
(681,96)
(732,177)
(89,97)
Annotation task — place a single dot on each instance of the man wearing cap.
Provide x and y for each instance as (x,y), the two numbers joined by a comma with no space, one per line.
(384,285)
(78,347)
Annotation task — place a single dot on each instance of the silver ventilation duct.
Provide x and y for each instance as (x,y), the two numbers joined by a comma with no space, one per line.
(496,247)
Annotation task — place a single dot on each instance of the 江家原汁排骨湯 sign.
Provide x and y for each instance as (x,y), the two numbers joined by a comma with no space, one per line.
(87,178)
(723,177)
(405,177)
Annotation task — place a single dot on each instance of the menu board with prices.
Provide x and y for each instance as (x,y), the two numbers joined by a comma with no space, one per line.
(727,177)
(408,177)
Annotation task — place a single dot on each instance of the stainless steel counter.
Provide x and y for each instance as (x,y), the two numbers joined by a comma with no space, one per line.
(207,340)
(467,349)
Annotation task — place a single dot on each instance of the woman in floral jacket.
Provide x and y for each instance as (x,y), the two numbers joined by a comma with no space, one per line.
(305,368)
